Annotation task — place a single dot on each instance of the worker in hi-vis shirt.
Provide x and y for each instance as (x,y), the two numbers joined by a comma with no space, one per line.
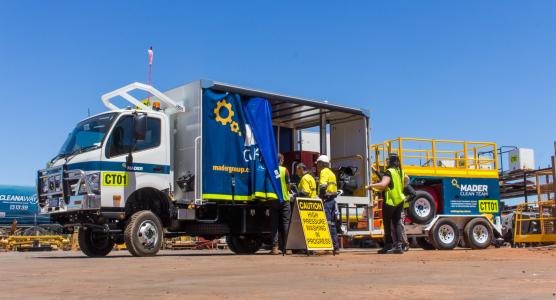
(307,186)
(282,211)
(392,183)
(328,191)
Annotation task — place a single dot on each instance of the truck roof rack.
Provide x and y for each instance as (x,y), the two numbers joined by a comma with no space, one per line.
(170,105)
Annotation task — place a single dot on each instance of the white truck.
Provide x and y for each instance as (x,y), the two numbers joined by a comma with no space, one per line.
(136,174)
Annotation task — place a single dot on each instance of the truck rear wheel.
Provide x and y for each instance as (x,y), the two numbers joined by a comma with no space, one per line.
(244,244)
(445,235)
(94,244)
(477,234)
(143,234)
(422,208)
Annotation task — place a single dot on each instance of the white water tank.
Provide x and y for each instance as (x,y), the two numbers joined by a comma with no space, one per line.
(522,159)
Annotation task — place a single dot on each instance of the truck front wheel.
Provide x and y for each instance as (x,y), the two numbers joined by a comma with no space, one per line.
(477,234)
(94,244)
(244,244)
(143,234)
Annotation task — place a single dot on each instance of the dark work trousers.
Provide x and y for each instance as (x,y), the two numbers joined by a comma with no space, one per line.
(394,228)
(330,211)
(281,223)
(391,216)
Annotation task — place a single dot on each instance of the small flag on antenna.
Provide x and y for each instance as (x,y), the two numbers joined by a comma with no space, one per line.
(151,56)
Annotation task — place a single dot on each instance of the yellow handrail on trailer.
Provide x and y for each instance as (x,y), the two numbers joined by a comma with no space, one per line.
(440,158)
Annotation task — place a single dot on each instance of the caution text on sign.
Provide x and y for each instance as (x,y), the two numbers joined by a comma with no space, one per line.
(314,224)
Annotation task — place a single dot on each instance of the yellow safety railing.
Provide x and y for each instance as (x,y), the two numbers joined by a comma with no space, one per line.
(543,215)
(535,222)
(442,158)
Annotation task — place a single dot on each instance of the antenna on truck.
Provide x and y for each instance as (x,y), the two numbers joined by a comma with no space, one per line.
(150,69)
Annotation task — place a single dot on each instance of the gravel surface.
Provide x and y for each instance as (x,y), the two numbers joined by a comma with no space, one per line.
(211,274)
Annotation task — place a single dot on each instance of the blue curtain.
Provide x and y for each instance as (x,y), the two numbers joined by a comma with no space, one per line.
(231,150)
(259,115)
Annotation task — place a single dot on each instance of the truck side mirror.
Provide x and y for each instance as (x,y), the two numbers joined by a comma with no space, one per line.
(140,127)
(129,160)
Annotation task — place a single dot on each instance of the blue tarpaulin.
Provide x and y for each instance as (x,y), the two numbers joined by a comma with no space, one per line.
(231,151)
(259,113)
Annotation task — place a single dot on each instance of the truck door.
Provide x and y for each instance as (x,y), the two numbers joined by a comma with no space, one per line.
(150,166)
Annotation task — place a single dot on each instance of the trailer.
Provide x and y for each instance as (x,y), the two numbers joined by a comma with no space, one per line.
(199,160)
(457,200)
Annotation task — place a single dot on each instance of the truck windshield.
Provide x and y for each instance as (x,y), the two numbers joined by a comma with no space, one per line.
(88,134)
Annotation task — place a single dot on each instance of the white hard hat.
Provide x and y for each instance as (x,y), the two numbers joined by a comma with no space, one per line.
(324,159)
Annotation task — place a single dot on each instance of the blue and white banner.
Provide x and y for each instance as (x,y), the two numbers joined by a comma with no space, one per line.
(20,203)
(231,152)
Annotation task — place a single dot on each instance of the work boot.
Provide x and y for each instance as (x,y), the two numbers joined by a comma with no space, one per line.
(383,251)
(405,247)
(275,250)
(396,250)
(336,252)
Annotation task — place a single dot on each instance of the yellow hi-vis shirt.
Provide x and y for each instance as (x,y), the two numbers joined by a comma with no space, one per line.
(328,178)
(284,181)
(308,185)
(394,195)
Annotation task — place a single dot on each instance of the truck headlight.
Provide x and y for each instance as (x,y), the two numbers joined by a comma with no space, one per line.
(93,180)
(58,183)
(44,185)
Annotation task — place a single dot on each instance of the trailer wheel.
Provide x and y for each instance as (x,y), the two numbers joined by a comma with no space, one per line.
(143,234)
(477,234)
(94,244)
(424,243)
(244,244)
(445,235)
(422,208)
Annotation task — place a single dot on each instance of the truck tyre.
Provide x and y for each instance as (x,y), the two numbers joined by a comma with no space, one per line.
(143,234)
(94,244)
(231,244)
(477,234)
(444,235)
(422,208)
(244,244)
(424,243)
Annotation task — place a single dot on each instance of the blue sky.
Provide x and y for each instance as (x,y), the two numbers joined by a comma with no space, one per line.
(472,70)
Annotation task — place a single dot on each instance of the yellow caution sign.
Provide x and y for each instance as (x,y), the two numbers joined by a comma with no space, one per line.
(315,226)
(115,179)
(488,206)
(308,227)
